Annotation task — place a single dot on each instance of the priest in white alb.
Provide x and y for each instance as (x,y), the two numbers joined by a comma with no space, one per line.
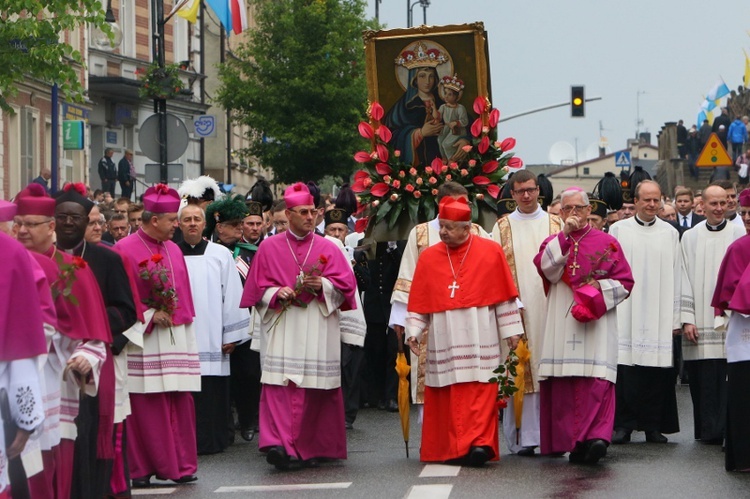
(646,398)
(463,293)
(520,234)
(587,277)
(703,337)
(420,238)
(219,320)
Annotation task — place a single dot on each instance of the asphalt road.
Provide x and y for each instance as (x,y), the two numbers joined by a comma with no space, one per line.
(377,467)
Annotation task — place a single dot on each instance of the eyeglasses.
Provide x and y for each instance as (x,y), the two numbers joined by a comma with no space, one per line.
(575,208)
(530,191)
(31,225)
(744,213)
(95,223)
(63,218)
(306,212)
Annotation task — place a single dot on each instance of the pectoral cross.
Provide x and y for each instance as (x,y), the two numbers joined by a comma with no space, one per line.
(573,266)
(453,287)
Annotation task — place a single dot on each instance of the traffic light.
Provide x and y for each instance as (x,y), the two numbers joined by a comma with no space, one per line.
(577,102)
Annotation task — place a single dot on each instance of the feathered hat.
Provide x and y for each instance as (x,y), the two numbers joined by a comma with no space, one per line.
(609,190)
(203,188)
(346,199)
(546,192)
(638,176)
(261,193)
(226,210)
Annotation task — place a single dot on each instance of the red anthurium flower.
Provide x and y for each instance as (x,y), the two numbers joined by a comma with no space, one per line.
(359,186)
(360,175)
(384,133)
(382,152)
(493,190)
(490,166)
(361,224)
(479,104)
(480,180)
(508,144)
(437,164)
(376,111)
(379,190)
(494,117)
(476,127)
(365,130)
(483,145)
(515,162)
(362,157)
(383,168)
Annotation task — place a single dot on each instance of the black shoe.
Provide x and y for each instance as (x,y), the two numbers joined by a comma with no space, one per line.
(656,438)
(577,457)
(247,434)
(278,457)
(141,483)
(186,479)
(311,463)
(621,436)
(348,425)
(597,449)
(527,452)
(478,456)
(391,406)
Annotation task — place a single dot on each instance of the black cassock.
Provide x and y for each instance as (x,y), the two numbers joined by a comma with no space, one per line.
(91,475)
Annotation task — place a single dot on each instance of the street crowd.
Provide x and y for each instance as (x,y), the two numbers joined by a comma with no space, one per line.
(136,341)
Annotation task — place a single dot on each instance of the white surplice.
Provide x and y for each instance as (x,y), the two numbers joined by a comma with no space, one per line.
(420,238)
(571,348)
(312,363)
(217,289)
(702,253)
(647,319)
(463,345)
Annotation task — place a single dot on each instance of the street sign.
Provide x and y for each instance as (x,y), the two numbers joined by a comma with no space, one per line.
(205,125)
(72,135)
(713,154)
(622,159)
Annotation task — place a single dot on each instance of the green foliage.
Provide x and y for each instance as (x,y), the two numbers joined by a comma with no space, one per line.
(299,85)
(30,47)
(160,83)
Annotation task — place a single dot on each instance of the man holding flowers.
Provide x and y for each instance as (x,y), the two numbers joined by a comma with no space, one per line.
(296,282)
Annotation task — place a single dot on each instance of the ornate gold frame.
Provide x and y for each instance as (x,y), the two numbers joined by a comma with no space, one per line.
(480,54)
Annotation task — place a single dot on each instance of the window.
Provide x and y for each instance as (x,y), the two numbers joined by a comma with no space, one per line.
(29,138)
(586,170)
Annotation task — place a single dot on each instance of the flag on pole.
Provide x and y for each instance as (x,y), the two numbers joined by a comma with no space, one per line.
(718,91)
(221,9)
(746,79)
(708,105)
(701,116)
(190,12)
(239,15)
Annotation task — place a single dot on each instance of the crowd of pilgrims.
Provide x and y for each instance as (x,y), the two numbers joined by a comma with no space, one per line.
(128,352)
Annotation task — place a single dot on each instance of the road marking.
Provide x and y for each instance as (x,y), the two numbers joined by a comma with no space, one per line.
(436,491)
(285,488)
(154,491)
(435,470)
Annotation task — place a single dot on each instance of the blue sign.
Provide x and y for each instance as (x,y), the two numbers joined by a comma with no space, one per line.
(111,137)
(205,126)
(622,159)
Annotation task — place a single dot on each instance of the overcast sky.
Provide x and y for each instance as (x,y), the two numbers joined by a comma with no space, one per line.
(673,50)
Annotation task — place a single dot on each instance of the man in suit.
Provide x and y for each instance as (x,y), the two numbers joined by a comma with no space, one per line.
(381,346)
(43,178)
(126,174)
(683,200)
(108,171)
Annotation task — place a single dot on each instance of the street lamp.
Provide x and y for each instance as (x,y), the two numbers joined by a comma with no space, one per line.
(100,39)
(410,11)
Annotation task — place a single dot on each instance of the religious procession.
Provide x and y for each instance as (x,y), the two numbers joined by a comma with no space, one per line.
(443,274)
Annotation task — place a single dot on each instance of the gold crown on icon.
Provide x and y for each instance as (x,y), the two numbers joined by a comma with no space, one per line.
(420,56)
(453,82)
